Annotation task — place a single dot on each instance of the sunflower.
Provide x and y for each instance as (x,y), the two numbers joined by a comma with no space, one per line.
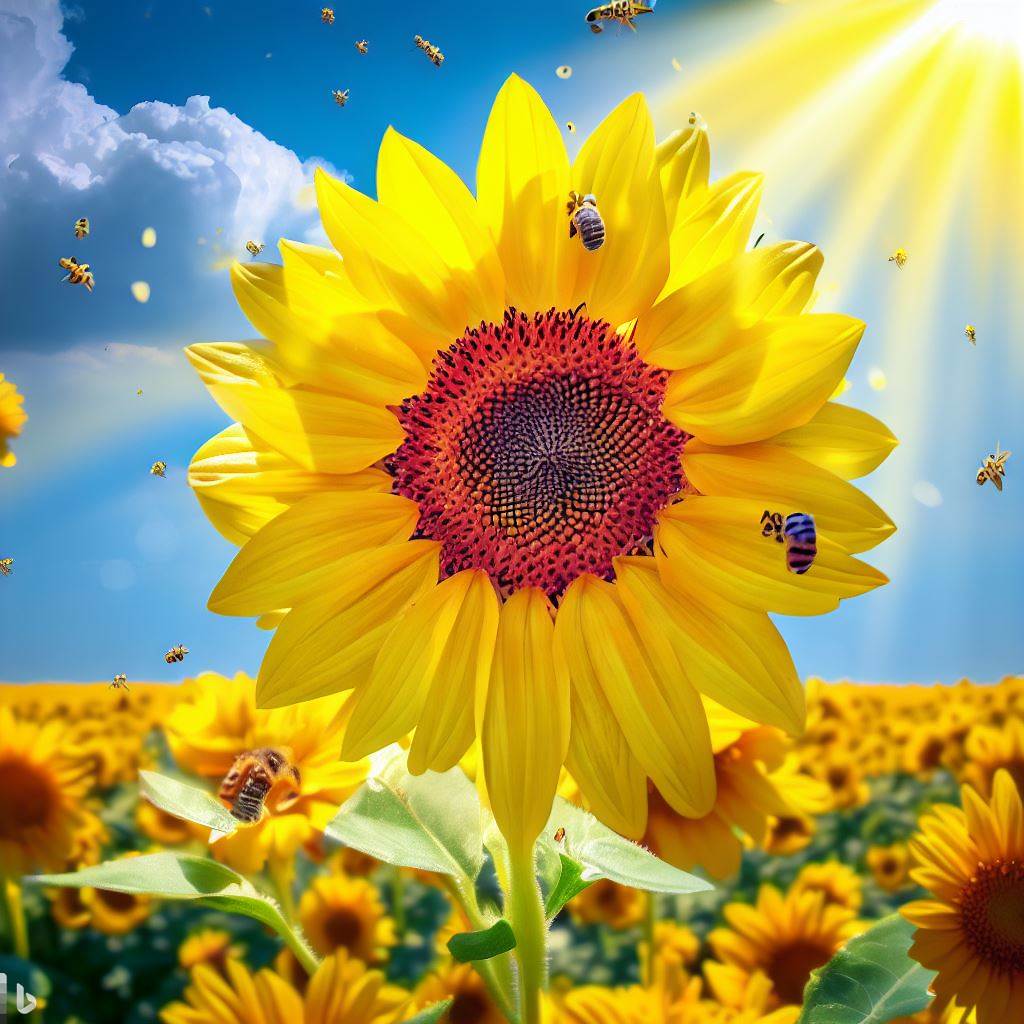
(971,930)
(783,937)
(12,418)
(346,913)
(889,865)
(115,913)
(342,991)
(164,828)
(843,777)
(212,946)
(471,1003)
(839,883)
(216,719)
(463,421)
(45,780)
(989,750)
(789,834)
(608,903)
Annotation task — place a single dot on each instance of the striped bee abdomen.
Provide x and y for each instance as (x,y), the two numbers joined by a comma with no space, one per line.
(801,542)
(248,805)
(590,226)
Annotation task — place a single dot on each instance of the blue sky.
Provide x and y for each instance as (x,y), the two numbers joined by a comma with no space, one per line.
(102,114)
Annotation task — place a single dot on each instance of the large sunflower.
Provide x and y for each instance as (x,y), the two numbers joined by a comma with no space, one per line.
(971,930)
(12,418)
(463,421)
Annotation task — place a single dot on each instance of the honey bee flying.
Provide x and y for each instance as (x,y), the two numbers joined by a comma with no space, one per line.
(585,218)
(433,52)
(971,334)
(254,248)
(5,566)
(81,227)
(340,96)
(78,273)
(362,46)
(120,682)
(771,525)
(994,468)
(327,15)
(899,257)
(622,11)
(251,778)
(158,469)
(176,654)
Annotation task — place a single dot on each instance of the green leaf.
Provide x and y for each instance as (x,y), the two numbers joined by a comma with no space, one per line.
(872,979)
(570,883)
(431,1014)
(602,853)
(484,944)
(184,801)
(429,821)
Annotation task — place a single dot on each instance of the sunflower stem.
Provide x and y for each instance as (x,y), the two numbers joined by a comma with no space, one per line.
(14,916)
(527,912)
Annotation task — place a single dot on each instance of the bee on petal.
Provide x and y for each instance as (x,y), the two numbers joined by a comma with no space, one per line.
(251,778)
(994,468)
(158,469)
(340,96)
(81,227)
(801,542)
(971,334)
(176,654)
(327,15)
(78,273)
(899,257)
(120,682)
(6,564)
(622,11)
(585,219)
(254,248)
(362,46)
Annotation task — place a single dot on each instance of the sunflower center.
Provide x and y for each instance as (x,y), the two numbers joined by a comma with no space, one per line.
(468,1008)
(122,902)
(28,798)
(343,928)
(539,451)
(791,965)
(992,914)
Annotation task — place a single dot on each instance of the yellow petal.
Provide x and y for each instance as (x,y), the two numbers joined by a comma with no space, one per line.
(717,543)
(734,655)
(320,431)
(599,758)
(525,733)
(350,353)
(785,483)
(522,189)
(713,227)
(242,483)
(429,194)
(616,164)
(419,648)
(660,713)
(446,725)
(308,545)
(701,320)
(779,375)
(845,441)
(684,160)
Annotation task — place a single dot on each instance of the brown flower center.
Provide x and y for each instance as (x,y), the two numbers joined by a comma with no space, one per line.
(122,902)
(28,797)
(469,1008)
(992,915)
(343,928)
(791,965)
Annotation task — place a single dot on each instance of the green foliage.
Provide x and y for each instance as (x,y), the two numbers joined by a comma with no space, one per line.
(484,944)
(431,1015)
(570,883)
(184,801)
(872,979)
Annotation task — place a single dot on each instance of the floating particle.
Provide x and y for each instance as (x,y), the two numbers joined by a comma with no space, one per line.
(563,71)
(899,257)
(267,56)
(140,291)
(877,378)
(971,334)
(139,393)
(149,238)
(676,65)
(927,494)
(570,127)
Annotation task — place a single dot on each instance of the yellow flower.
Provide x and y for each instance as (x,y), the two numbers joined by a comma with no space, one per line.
(45,779)
(597,430)
(346,913)
(842,776)
(115,913)
(164,828)
(454,924)
(789,834)
(839,883)
(342,991)
(889,865)
(12,418)
(989,750)
(211,946)
(216,719)
(972,929)
(783,937)
(608,903)
(471,1003)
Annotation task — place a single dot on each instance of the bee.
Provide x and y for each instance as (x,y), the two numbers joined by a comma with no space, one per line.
(81,227)
(899,257)
(120,682)
(585,218)
(771,525)
(340,96)
(5,566)
(255,248)
(362,46)
(433,52)
(994,468)
(327,15)
(78,273)
(571,127)
(971,334)
(559,835)
(801,542)
(176,654)
(622,11)
(158,469)
(251,778)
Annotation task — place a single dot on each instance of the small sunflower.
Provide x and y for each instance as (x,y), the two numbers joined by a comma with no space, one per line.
(789,834)
(346,913)
(471,1003)
(839,883)
(115,913)
(12,418)
(971,930)
(342,991)
(470,446)
(211,946)
(784,937)
(608,903)
(843,777)
(45,780)
(889,865)
(989,750)
(164,828)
